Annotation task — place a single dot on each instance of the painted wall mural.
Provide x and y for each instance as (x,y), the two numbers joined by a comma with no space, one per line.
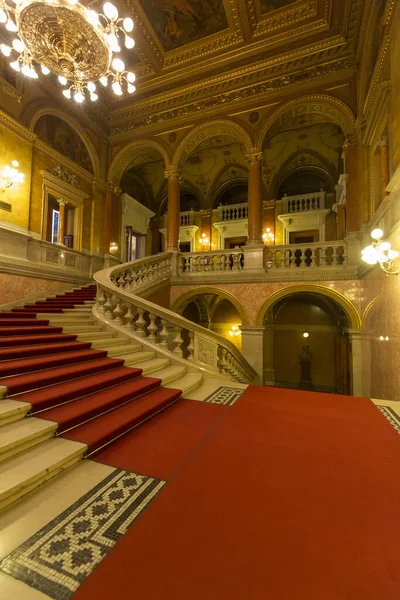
(180,22)
(269,5)
(62,137)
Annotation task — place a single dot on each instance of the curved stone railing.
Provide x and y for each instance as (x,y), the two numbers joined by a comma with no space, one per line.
(121,303)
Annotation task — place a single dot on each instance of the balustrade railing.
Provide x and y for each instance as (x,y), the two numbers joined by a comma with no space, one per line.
(219,260)
(233,212)
(304,202)
(187,218)
(316,254)
(120,303)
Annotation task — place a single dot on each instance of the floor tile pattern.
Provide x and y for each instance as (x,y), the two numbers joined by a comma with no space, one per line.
(224,395)
(59,557)
(391,416)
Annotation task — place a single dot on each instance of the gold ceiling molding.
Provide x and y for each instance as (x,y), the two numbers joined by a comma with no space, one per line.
(80,130)
(206,131)
(377,74)
(124,158)
(290,15)
(16,127)
(221,101)
(331,108)
(10,90)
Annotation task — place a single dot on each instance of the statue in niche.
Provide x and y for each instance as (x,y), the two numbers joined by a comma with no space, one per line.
(305,359)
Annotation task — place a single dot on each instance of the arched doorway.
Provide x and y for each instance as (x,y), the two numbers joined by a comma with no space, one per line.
(307,345)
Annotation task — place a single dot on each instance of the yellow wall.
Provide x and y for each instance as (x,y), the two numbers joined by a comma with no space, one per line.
(13,147)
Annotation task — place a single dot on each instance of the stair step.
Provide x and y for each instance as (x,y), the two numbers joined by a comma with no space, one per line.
(149,366)
(26,365)
(77,311)
(39,311)
(138,357)
(24,472)
(24,340)
(23,383)
(82,328)
(126,348)
(21,322)
(23,434)
(12,331)
(13,315)
(188,383)
(79,411)
(169,374)
(68,391)
(67,317)
(42,350)
(96,335)
(103,430)
(12,410)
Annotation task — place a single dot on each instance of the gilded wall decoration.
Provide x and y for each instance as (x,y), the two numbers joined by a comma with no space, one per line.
(270,5)
(179,22)
(62,137)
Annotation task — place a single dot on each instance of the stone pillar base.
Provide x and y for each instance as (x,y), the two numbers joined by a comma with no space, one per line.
(254,257)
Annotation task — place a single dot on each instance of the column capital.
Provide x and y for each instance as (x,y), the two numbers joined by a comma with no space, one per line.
(359,334)
(349,140)
(114,189)
(61,202)
(382,141)
(254,158)
(172,173)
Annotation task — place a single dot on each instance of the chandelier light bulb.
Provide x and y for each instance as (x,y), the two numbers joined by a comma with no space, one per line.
(128,24)
(383,247)
(129,42)
(79,97)
(110,11)
(131,88)
(11,26)
(392,254)
(45,70)
(67,94)
(104,80)
(93,97)
(25,70)
(3,16)
(376,234)
(93,17)
(15,164)
(118,65)
(113,42)
(15,65)
(18,45)
(91,86)
(6,50)
(116,87)
(63,80)
(131,77)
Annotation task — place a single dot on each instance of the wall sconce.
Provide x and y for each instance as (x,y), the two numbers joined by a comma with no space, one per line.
(10,175)
(113,247)
(204,240)
(383,338)
(306,334)
(382,253)
(234,331)
(268,237)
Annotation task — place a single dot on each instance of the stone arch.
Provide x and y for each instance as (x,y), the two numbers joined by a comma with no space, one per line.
(206,131)
(126,156)
(331,108)
(347,306)
(81,132)
(210,290)
(218,188)
(285,170)
(369,311)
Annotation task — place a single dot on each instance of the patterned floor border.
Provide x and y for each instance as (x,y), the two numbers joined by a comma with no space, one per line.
(224,395)
(59,557)
(391,416)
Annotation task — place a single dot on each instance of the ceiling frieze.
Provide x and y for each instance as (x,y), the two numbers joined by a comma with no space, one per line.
(291,17)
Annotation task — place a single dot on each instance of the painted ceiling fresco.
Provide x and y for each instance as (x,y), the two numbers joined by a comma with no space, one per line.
(179,22)
(269,5)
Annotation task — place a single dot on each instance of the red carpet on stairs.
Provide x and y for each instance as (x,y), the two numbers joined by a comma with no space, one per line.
(94,399)
(291,496)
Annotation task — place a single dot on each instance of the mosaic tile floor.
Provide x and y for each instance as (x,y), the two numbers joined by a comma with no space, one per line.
(391,416)
(59,557)
(224,395)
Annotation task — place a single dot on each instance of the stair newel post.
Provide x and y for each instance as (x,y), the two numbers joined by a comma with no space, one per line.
(101,301)
(152,328)
(108,307)
(129,318)
(177,342)
(140,324)
(164,335)
(117,312)
(191,347)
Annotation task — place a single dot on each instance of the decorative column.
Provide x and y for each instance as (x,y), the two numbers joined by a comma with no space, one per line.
(352,162)
(253,350)
(174,200)
(383,145)
(255,221)
(61,222)
(360,367)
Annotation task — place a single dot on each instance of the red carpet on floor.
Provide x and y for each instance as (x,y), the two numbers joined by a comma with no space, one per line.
(159,446)
(292,496)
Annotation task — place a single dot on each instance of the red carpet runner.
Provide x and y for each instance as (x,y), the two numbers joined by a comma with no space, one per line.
(93,398)
(291,496)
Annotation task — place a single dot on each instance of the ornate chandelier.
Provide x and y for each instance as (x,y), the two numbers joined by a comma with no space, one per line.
(382,253)
(71,41)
